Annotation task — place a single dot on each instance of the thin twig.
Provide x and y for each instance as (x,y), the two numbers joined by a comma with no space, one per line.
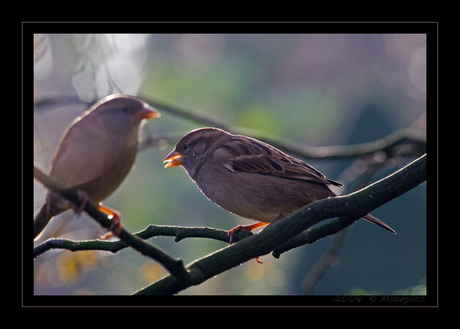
(403,142)
(179,232)
(330,257)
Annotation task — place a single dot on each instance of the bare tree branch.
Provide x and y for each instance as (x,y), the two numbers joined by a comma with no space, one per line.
(179,232)
(417,171)
(174,265)
(332,255)
(403,142)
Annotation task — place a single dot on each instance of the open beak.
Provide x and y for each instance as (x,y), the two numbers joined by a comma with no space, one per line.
(173,159)
(149,112)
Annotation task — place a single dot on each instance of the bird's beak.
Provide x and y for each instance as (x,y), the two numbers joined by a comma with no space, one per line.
(149,112)
(173,159)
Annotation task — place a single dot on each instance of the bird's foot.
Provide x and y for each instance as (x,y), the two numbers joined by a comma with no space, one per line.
(258,261)
(115,216)
(232,233)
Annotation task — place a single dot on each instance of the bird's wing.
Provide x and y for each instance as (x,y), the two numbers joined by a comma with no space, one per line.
(252,156)
(82,155)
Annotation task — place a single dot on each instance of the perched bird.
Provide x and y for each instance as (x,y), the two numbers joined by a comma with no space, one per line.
(250,178)
(95,154)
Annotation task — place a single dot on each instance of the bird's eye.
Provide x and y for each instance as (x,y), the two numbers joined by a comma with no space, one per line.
(125,109)
(185,146)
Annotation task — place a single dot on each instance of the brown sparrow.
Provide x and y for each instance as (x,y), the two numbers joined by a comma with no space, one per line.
(250,178)
(95,154)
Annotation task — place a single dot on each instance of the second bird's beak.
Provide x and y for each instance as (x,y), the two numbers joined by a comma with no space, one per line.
(173,159)
(149,112)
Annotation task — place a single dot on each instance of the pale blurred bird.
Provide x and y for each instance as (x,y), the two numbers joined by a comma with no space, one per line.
(95,154)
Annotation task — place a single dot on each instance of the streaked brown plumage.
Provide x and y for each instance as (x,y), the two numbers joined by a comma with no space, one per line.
(96,152)
(249,177)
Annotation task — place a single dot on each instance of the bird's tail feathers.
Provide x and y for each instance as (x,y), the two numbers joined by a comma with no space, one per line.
(378,222)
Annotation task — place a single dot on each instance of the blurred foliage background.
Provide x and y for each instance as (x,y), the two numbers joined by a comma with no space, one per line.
(316,89)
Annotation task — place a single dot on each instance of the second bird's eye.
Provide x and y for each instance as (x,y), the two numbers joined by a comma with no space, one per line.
(185,146)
